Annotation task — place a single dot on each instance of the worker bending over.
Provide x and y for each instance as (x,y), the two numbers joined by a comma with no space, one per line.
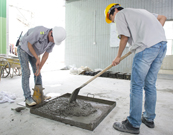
(35,42)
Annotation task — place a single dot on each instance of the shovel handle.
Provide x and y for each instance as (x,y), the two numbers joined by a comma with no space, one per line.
(110,66)
(36,76)
(123,57)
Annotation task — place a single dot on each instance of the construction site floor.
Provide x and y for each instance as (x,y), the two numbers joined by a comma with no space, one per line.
(60,82)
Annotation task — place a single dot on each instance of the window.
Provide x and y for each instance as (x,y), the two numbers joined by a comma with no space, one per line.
(169,36)
(114,40)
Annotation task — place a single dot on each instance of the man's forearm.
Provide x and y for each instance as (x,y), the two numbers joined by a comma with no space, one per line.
(31,49)
(122,45)
(44,58)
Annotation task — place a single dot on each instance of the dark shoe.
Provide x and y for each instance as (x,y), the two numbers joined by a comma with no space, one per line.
(125,126)
(148,123)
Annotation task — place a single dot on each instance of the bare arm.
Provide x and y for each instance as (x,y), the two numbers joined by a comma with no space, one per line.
(31,49)
(161,19)
(34,54)
(122,45)
(44,58)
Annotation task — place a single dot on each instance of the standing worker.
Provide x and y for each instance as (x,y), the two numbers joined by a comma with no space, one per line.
(35,42)
(145,34)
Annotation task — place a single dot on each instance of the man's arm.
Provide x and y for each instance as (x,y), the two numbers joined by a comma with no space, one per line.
(161,19)
(43,60)
(122,45)
(31,49)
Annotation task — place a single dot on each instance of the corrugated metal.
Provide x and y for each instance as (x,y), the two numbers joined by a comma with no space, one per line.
(81,30)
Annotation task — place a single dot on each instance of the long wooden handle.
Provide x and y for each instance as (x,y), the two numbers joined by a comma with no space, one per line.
(123,57)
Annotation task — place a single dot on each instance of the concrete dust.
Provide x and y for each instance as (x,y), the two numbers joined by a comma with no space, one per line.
(61,107)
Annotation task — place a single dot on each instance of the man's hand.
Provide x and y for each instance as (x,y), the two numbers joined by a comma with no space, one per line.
(37,72)
(38,63)
(116,61)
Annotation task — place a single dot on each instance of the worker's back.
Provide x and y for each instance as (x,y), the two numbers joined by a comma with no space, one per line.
(141,26)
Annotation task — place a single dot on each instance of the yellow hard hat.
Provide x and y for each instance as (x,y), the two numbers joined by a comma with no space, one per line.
(107,11)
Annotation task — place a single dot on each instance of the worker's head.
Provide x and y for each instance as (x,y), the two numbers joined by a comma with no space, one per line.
(111,10)
(57,35)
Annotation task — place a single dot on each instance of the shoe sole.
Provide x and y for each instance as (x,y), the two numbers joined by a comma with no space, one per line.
(31,104)
(127,131)
(47,98)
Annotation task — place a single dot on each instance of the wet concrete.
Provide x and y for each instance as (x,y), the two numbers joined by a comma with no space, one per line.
(85,112)
(61,107)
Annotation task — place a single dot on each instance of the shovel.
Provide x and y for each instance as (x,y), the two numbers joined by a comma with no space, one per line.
(38,95)
(76,91)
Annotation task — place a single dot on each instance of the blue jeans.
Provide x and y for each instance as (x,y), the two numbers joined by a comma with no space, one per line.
(146,65)
(25,59)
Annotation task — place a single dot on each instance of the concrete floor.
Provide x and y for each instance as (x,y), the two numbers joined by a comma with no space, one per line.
(59,81)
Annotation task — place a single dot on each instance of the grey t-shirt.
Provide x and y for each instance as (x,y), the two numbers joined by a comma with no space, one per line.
(38,38)
(142,27)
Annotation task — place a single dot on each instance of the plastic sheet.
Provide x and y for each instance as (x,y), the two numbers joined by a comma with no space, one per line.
(7,97)
(77,71)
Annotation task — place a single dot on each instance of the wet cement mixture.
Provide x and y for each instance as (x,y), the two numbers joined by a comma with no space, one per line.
(61,107)
(85,113)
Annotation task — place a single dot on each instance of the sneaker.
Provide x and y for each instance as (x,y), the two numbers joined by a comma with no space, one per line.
(47,97)
(30,102)
(148,123)
(125,126)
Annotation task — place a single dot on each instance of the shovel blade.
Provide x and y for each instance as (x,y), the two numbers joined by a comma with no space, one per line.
(74,95)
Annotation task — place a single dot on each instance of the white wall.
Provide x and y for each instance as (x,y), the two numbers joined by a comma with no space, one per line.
(80,26)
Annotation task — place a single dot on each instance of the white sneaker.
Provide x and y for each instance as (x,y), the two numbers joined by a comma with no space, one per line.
(29,101)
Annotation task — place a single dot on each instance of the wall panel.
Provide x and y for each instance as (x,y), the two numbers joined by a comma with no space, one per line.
(81,31)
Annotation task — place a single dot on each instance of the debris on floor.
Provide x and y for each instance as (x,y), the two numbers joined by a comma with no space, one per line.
(18,109)
(77,71)
(89,72)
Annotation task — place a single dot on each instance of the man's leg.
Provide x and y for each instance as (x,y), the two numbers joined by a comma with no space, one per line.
(150,87)
(23,57)
(139,71)
(141,65)
(32,61)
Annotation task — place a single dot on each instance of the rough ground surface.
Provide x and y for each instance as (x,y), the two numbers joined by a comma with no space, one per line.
(25,123)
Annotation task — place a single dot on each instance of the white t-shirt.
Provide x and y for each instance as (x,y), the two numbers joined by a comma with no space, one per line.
(142,27)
